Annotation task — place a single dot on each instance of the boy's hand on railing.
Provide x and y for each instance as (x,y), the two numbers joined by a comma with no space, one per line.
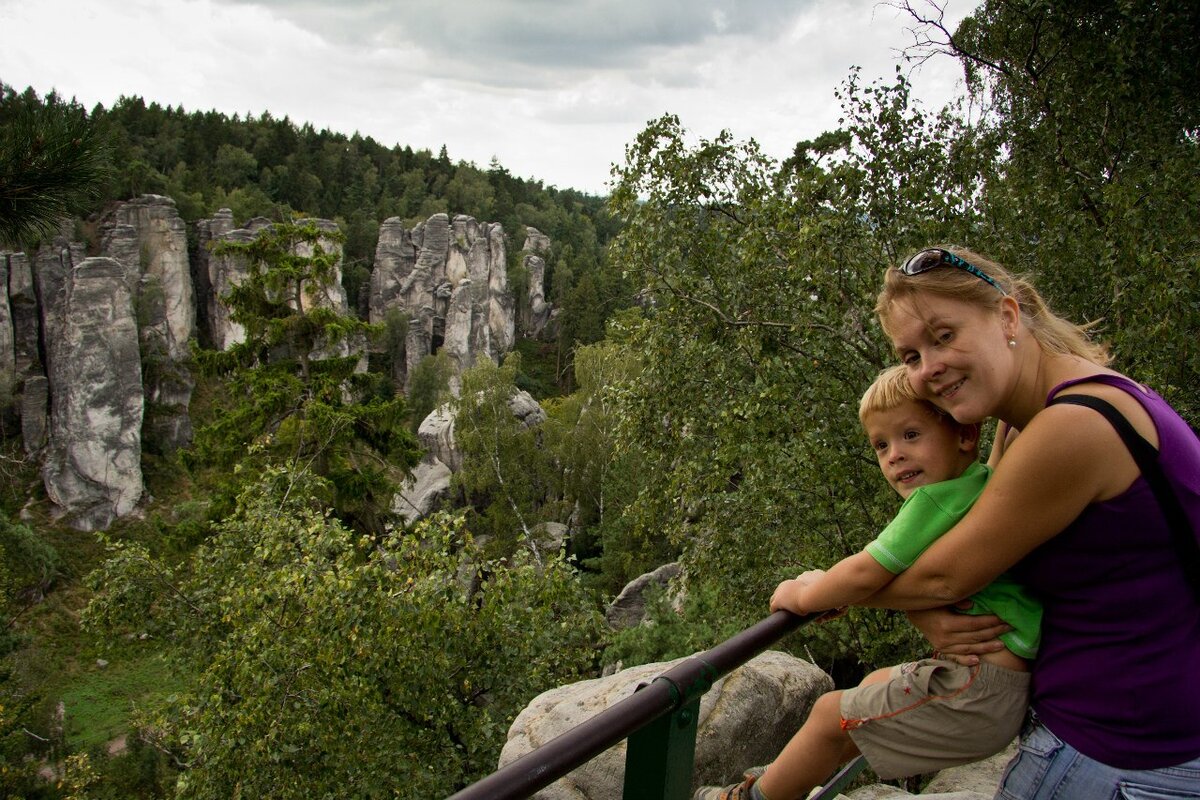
(789,595)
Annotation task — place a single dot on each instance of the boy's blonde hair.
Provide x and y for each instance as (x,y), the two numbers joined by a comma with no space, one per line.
(1052,332)
(889,390)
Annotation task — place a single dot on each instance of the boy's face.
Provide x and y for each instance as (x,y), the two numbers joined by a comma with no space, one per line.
(916,447)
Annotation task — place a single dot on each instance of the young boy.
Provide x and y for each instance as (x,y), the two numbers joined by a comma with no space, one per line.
(925,715)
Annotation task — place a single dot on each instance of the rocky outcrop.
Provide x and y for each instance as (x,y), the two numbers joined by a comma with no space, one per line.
(35,412)
(26,321)
(976,781)
(449,279)
(424,491)
(148,237)
(92,469)
(37,311)
(226,270)
(745,719)
(536,313)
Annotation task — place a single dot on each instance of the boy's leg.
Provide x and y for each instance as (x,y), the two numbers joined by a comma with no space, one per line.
(817,749)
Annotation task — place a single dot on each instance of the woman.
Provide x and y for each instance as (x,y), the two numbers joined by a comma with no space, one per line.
(1116,712)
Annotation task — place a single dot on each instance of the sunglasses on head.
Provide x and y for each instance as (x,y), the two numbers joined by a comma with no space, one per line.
(935,257)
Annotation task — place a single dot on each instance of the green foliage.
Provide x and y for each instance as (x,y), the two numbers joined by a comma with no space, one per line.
(506,474)
(333,665)
(759,340)
(53,162)
(597,478)
(30,564)
(669,633)
(428,387)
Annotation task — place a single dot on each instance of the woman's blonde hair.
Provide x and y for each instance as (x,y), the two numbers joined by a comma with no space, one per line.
(1052,332)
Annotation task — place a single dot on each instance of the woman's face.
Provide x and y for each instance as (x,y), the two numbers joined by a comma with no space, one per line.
(956,353)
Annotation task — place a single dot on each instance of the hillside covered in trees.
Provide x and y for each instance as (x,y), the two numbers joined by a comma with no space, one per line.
(698,405)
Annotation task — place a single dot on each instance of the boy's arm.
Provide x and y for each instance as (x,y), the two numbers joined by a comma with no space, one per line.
(846,583)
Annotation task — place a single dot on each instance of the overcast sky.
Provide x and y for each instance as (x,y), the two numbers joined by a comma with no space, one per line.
(554,89)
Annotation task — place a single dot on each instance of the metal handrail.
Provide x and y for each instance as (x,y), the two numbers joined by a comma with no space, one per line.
(669,692)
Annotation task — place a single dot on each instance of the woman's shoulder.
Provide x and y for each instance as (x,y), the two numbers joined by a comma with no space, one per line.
(1097,380)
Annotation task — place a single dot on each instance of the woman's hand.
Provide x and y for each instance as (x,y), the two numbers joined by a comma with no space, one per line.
(960,637)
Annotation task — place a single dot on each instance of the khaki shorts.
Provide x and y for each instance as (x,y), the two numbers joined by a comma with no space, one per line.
(933,714)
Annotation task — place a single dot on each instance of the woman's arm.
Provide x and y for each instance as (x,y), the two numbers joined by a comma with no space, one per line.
(846,583)
(1064,459)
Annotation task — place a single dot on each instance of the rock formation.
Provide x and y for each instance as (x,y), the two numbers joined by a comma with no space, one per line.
(159,259)
(536,313)
(745,719)
(226,270)
(148,237)
(208,232)
(92,469)
(27,324)
(37,313)
(449,280)
(8,352)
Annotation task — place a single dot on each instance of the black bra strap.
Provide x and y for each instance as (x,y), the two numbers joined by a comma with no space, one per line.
(1146,457)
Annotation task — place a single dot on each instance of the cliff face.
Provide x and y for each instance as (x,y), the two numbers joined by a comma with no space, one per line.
(95,352)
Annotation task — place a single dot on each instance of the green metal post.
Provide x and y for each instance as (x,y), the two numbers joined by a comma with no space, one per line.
(660,757)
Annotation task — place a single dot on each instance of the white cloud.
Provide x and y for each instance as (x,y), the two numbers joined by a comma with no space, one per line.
(553,88)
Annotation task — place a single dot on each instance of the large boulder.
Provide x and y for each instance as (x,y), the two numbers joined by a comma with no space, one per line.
(745,719)
(436,435)
(92,470)
(424,491)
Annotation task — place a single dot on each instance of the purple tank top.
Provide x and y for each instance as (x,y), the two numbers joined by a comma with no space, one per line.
(1116,675)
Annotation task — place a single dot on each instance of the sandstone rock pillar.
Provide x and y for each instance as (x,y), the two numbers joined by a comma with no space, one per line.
(93,468)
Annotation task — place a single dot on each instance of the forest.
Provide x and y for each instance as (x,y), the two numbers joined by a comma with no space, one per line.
(268,627)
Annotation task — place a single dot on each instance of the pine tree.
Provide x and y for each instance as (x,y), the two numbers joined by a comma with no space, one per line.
(53,163)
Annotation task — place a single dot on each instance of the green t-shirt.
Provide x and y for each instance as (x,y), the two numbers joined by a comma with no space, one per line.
(929,512)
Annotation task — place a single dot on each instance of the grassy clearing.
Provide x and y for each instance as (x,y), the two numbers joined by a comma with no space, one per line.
(100,700)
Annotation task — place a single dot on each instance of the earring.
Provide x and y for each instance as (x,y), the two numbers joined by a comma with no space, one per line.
(1012,344)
